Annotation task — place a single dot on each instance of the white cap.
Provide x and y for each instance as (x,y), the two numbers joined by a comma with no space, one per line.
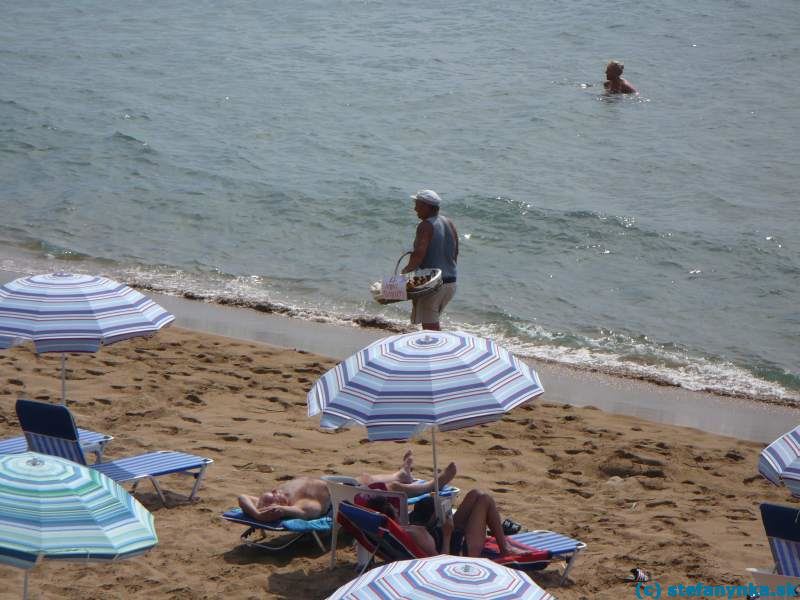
(428,197)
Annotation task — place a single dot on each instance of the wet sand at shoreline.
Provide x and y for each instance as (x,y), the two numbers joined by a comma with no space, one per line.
(675,501)
(725,415)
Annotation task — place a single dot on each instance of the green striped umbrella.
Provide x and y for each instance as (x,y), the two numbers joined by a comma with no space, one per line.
(57,509)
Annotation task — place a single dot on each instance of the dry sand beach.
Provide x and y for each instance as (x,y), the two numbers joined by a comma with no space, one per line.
(678,502)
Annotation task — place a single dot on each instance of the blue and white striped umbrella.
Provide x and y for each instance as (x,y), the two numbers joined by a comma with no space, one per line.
(62,312)
(442,577)
(403,384)
(57,509)
(780,461)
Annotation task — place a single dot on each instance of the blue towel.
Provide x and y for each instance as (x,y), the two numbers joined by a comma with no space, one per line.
(295,525)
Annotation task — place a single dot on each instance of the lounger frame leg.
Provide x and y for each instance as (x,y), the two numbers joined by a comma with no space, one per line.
(369,561)
(319,541)
(198,478)
(158,490)
(570,564)
(334,540)
(260,543)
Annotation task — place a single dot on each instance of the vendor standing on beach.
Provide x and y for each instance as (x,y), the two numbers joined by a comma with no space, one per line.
(435,247)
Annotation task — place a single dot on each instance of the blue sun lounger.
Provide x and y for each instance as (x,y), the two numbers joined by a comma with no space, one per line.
(299,527)
(90,441)
(258,532)
(386,539)
(50,429)
(782,526)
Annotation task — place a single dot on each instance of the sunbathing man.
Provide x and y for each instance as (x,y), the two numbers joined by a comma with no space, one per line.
(461,534)
(308,497)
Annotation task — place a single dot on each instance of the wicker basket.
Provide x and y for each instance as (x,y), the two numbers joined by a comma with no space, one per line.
(433,282)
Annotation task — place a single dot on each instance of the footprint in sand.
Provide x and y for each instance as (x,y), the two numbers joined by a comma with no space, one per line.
(15,382)
(265,371)
(503,451)
(95,372)
(195,399)
(656,503)
(282,434)
(734,455)
(192,419)
(240,419)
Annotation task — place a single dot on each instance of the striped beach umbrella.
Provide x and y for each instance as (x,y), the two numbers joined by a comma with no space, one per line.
(62,312)
(442,577)
(404,384)
(780,461)
(57,509)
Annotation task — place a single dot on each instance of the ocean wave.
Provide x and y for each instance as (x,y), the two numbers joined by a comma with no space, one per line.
(611,353)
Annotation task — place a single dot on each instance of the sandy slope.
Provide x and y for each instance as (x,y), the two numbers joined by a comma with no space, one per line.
(678,502)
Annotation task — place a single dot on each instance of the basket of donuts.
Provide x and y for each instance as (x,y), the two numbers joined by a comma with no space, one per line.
(418,283)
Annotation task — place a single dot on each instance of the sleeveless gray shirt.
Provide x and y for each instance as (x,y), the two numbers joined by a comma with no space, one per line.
(441,252)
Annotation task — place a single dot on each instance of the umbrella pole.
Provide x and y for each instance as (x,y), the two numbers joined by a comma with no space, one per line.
(64,378)
(25,587)
(436,500)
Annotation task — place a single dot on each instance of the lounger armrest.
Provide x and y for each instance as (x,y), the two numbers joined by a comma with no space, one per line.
(770,578)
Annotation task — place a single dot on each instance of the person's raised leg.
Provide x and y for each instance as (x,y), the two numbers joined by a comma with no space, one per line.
(495,525)
(403,475)
(425,487)
(471,519)
(477,512)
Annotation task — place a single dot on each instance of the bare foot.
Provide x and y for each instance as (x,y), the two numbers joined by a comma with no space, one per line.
(447,475)
(512,551)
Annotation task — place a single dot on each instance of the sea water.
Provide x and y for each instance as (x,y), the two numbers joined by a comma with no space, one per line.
(264,153)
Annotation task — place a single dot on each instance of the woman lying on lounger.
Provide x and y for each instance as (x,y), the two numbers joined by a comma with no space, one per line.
(461,534)
(308,497)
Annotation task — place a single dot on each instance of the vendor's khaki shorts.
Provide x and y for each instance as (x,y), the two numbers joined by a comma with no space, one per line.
(428,309)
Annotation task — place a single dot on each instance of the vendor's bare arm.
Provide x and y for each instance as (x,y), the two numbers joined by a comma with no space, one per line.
(423,238)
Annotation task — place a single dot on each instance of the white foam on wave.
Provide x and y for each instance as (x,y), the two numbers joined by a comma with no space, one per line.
(639,359)
(655,364)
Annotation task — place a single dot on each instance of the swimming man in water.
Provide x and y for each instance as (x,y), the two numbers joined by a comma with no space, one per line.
(615,84)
